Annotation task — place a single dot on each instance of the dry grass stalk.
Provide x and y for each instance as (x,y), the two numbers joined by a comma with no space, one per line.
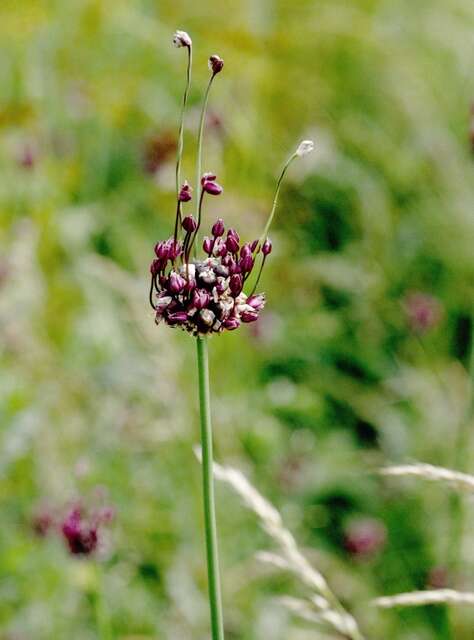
(420,598)
(456,479)
(321,606)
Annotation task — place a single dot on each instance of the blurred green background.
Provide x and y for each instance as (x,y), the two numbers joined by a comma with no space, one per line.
(336,379)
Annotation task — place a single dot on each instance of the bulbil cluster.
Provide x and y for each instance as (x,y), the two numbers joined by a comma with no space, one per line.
(204,296)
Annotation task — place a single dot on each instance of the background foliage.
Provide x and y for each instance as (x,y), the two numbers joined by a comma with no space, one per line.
(331,384)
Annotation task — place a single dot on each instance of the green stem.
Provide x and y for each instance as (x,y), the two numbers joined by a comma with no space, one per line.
(275,198)
(179,154)
(199,152)
(215,603)
(104,627)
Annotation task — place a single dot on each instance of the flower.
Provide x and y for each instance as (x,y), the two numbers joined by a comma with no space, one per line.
(184,194)
(182,39)
(304,147)
(423,311)
(83,534)
(216,64)
(205,296)
(364,537)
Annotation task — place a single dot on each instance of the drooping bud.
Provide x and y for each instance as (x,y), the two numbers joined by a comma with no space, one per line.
(267,247)
(162,250)
(249,314)
(207,245)
(207,176)
(176,282)
(184,194)
(201,298)
(216,64)
(231,324)
(304,147)
(236,283)
(175,249)
(213,188)
(182,39)
(218,228)
(257,301)
(179,317)
(189,224)
(155,267)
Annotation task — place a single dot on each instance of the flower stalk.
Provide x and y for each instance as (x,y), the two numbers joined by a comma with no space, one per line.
(215,601)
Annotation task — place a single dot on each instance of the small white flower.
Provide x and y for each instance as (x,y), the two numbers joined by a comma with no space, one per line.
(304,147)
(208,276)
(182,39)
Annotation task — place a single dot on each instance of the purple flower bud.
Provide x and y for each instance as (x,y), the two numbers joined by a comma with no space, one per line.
(267,247)
(236,283)
(207,176)
(189,224)
(155,267)
(207,245)
(221,285)
(232,241)
(201,298)
(246,264)
(175,249)
(184,194)
(216,64)
(254,245)
(257,301)
(218,228)
(162,250)
(220,248)
(245,251)
(179,317)
(213,188)
(231,324)
(249,314)
(176,282)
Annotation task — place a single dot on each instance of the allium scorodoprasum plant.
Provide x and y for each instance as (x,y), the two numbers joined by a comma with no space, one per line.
(209,292)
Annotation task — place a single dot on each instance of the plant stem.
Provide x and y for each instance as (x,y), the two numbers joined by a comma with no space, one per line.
(215,603)
(275,198)
(102,615)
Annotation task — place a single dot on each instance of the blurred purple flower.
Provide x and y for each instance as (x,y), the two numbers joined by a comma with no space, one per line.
(364,537)
(423,311)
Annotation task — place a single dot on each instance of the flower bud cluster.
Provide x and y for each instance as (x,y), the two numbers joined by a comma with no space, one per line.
(206,296)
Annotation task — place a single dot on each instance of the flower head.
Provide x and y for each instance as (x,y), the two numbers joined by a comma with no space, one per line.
(182,39)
